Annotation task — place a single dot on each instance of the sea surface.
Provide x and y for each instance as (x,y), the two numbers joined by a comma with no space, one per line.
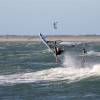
(28,71)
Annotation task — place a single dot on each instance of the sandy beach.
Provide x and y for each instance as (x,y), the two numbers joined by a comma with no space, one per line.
(76,38)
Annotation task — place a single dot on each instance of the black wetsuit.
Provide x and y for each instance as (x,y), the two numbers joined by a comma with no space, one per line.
(84,51)
(58,51)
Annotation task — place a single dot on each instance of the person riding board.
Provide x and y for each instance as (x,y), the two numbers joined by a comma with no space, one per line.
(58,51)
(84,52)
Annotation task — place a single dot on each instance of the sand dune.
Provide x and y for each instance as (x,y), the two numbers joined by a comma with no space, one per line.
(84,38)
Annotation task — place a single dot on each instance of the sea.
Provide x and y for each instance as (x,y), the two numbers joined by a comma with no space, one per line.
(28,71)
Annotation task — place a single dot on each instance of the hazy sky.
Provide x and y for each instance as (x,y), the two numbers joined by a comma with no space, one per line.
(30,17)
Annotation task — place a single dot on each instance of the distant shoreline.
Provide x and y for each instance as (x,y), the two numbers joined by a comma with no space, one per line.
(76,38)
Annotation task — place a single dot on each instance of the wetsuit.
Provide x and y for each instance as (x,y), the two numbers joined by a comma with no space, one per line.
(58,51)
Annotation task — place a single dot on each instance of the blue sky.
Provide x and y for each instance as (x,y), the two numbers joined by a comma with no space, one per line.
(30,17)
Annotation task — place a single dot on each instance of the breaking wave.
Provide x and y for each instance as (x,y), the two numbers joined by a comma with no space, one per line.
(69,72)
(93,53)
(53,74)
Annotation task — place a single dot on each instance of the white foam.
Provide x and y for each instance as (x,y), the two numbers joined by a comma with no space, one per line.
(69,60)
(53,74)
(96,69)
(93,53)
(70,74)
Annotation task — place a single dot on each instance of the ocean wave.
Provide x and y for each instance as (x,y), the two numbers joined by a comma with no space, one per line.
(54,74)
(93,53)
(70,73)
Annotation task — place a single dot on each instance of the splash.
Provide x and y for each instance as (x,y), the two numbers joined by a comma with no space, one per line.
(69,61)
(96,69)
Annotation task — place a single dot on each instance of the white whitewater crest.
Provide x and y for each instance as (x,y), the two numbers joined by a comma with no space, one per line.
(94,53)
(69,61)
(68,73)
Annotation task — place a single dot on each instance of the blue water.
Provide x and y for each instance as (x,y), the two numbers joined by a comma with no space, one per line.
(28,71)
